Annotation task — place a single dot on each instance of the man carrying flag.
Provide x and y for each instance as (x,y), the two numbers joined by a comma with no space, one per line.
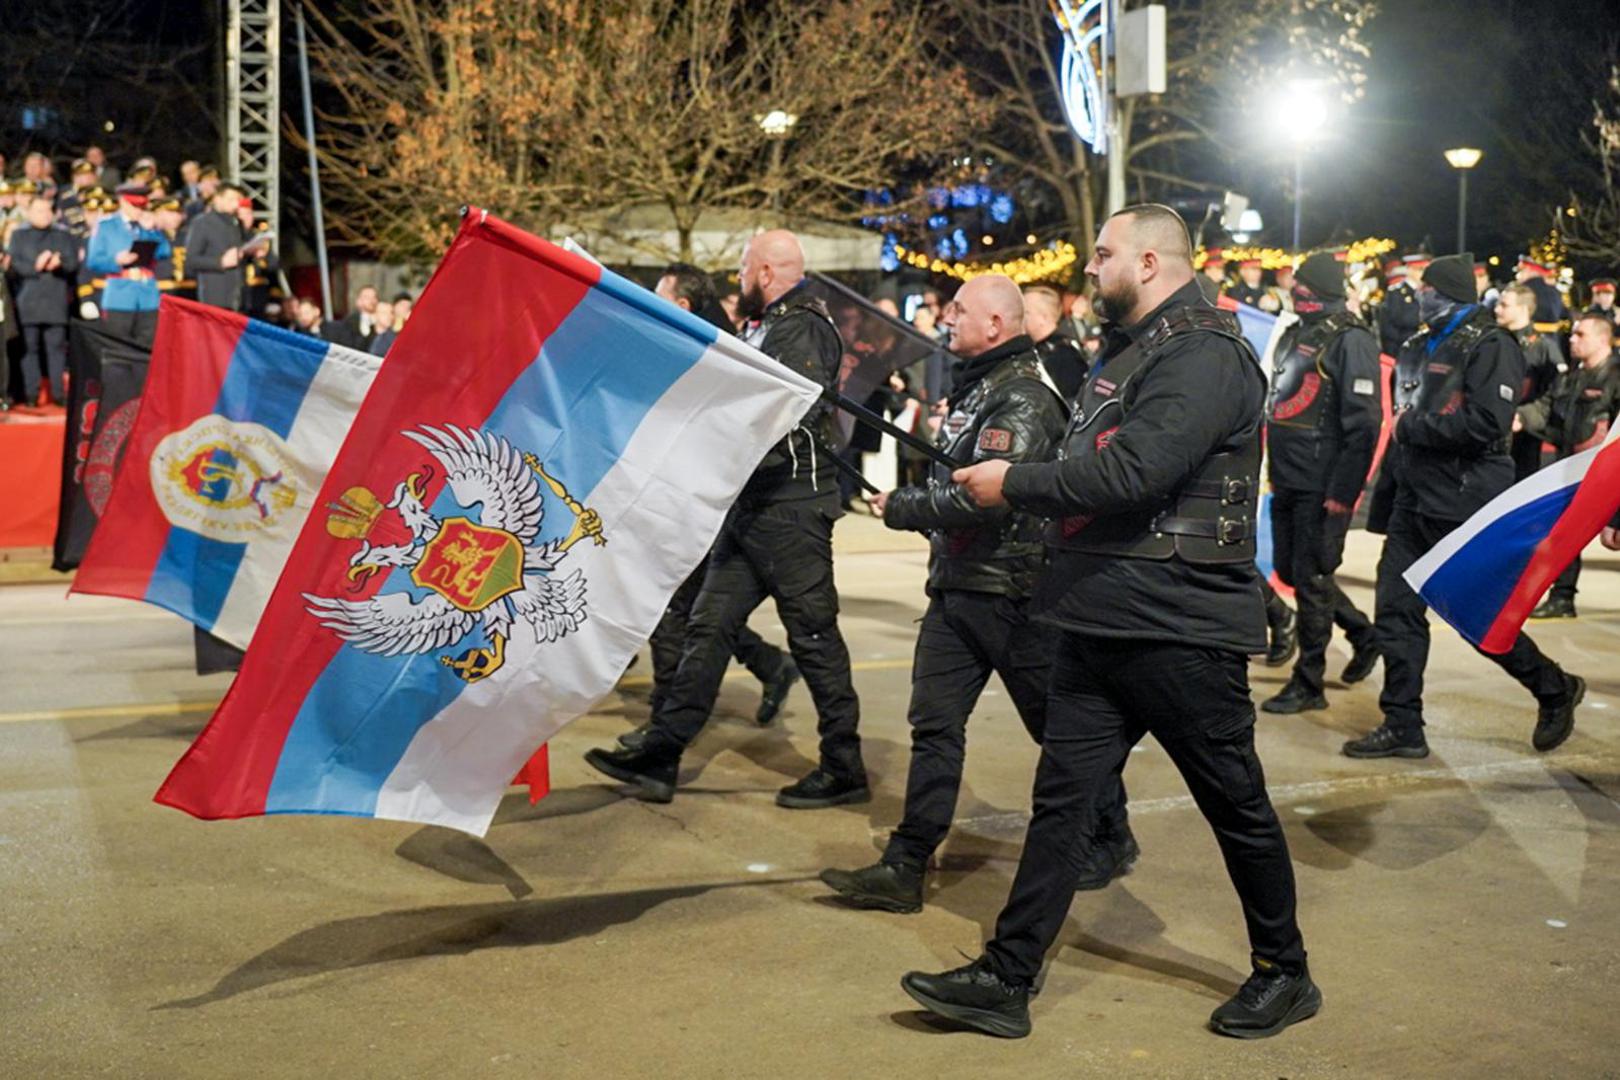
(1457,384)
(776,542)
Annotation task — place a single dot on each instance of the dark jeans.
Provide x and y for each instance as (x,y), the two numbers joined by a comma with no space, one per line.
(1106,693)
(965,636)
(1402,623)
(1308,545)
(668,641)
(782,551)
(1564,587)
(1526,451)
(45,352)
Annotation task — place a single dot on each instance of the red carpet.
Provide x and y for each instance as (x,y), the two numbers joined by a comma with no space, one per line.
(30,478)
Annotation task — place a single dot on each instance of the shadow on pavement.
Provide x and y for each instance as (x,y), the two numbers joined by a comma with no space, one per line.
(444,930)
(186,728)
(462,857)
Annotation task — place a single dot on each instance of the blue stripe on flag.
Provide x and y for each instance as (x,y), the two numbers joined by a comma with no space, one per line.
(576,407)
(1470,588)
(266,381)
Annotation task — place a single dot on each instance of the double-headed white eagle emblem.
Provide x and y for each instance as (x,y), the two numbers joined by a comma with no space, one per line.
(491,574)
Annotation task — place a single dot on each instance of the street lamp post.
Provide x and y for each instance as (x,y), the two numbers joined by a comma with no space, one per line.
(777,125)
(1462,159)
(1302,114)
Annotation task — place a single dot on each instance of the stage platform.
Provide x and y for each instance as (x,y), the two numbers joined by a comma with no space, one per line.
(30,477)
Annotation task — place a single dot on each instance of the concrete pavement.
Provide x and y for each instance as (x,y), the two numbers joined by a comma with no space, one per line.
(1462,913)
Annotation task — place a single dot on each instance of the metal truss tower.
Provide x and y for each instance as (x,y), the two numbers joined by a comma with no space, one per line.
(253,103)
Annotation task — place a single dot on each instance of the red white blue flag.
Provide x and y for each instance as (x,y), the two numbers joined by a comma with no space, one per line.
(547,454)
(1485,577)
(237,428)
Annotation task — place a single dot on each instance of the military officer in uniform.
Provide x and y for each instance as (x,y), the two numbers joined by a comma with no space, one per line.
(1152,598)
(1398,317)
(1212,278)
(1248,289)
(1322,428)
(1603,300)
(129,302)
(1456,386)
(776,542)
(1550,311)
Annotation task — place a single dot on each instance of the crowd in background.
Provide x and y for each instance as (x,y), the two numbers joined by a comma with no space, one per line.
(103,244)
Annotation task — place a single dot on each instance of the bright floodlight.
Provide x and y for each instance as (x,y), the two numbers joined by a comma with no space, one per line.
(1464,157)
(1250,222)
(777,122)
(1302,113)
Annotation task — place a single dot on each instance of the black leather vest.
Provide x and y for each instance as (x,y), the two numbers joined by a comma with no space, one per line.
(1302,391)
(1211,519)
(1433,382)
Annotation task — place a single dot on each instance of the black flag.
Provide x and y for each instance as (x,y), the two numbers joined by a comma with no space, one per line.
(104,393)
(875,344)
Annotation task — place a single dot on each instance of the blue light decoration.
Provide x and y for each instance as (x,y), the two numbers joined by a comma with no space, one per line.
(1084,26)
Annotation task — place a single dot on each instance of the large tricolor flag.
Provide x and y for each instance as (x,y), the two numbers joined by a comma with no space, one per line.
(548,452)
(1485,577)
(237,428)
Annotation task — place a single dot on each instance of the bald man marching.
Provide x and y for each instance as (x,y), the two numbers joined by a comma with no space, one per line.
(982,566)
(1151,596)
(777,543)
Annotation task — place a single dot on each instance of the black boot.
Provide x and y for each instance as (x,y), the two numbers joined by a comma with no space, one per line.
(883,886)
(1386,741)
(822,789)
(1555,607)
(1108,859)
(1284,639)
(1362,661)
(1270,1001)
(973,996)
(776,692)
(1296,697)
(635,738)
(1555,722)
(652,770)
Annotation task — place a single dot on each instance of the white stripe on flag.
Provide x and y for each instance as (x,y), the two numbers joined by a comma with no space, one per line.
(1555,477)
(324,418)
(661,505)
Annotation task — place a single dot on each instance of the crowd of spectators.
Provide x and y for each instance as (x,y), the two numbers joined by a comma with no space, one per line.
(105,244)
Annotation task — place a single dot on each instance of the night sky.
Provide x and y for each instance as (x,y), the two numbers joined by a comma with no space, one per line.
(1514,78)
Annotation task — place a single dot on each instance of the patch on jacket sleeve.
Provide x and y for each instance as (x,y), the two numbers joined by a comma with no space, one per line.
(1507,392)
(997,440)
(1364,387)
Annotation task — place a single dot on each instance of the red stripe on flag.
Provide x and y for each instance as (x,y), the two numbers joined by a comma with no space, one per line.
(190,355)
(1594,506)
(536,773)
(495,297)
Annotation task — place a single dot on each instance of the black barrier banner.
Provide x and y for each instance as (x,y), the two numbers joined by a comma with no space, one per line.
(875,344)
(108,372)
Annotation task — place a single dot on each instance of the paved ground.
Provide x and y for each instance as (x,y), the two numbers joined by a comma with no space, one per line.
(1463,913)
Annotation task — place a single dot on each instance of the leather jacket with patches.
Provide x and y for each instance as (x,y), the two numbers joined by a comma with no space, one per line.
(1456,388)
(1004,407)
(1324,414)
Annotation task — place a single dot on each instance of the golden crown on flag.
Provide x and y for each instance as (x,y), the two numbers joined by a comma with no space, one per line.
(354,514)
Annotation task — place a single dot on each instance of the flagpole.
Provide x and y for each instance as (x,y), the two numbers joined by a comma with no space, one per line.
(314,169)
(867,416)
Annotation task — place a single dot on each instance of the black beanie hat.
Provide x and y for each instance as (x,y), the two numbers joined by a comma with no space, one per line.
(1452,276)
(1323,275)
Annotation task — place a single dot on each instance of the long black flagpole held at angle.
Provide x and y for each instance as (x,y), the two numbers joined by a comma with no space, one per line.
(867,416)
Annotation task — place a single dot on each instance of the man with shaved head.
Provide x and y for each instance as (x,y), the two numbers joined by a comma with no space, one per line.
(982,566)
(1054,339)
(776,542)
(1152,599)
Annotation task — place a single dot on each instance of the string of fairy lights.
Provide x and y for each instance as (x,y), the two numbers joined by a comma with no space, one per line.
(1046,264)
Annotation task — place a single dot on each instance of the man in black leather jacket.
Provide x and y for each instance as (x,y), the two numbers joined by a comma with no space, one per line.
(982,567)
(1152,596)
(777,543)
(1457,383)
(1322,428)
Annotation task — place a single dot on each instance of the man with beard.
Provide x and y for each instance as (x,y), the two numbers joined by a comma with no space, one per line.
(692,290)
(1322,425)
(1456,386)
(776,542)
(1152,596)
(1574,417)
(982,567)
(1543,363)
